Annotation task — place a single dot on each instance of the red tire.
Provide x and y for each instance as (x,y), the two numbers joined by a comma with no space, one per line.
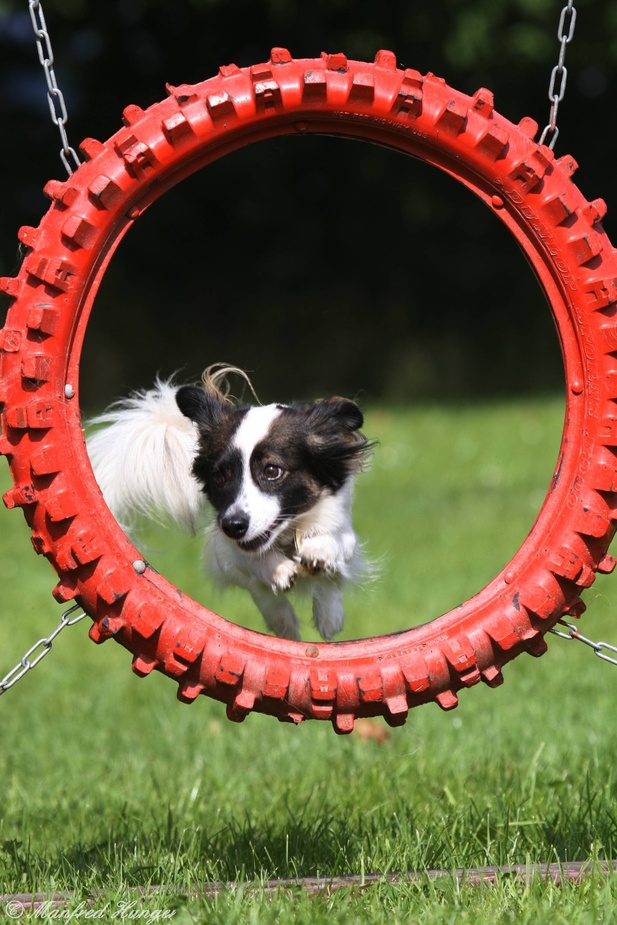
(42,437)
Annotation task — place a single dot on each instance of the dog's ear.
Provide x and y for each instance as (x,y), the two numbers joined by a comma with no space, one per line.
(331,416)
(337,447)
(346,412)
(203,409)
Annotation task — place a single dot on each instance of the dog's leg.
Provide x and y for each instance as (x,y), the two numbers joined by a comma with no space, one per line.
(326,554)
(273,569)
(328,612)
(227,564)
(276,610)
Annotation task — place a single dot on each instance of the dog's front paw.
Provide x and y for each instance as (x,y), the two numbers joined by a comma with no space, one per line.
(284,575)
(318,556)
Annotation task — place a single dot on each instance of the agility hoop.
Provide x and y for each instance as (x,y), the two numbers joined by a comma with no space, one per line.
(525,186)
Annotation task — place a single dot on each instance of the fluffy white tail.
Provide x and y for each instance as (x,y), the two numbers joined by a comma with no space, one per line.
(142,459)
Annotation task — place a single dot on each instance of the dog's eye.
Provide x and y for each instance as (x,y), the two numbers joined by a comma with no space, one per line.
(219,478)
(272,472)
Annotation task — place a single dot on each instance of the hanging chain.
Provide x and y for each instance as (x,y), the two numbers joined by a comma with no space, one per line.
(39,650)
(598,647)
(57,105)
(559,74)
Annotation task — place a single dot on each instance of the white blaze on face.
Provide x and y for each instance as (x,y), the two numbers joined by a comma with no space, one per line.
(262,509)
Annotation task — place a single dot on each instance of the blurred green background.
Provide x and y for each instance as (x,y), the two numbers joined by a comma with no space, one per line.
(320,265)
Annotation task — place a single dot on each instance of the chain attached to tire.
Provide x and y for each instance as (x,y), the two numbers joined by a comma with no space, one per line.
(598,647)
(55,97)
(39,650)
(559,74)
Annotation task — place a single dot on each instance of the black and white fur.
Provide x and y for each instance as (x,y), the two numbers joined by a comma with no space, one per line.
(279,479)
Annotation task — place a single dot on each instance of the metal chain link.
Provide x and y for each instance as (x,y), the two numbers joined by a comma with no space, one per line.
(559,74)
(41,648)
(57,105)
(598,647)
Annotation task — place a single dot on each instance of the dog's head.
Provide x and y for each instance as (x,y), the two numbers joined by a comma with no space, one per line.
(262,466)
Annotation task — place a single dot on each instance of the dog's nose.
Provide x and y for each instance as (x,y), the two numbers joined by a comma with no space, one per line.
(235,525)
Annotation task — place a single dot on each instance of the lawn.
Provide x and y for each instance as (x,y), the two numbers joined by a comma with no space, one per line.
(110,784)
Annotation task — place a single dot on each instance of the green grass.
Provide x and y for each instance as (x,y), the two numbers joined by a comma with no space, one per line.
(108,783)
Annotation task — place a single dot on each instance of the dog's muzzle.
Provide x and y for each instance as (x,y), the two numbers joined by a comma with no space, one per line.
(257,543)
